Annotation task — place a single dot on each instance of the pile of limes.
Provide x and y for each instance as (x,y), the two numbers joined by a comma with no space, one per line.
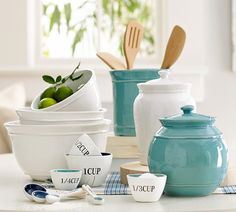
(53,95)
(58,91)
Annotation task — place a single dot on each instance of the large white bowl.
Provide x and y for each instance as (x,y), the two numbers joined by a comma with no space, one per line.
(37,152)
(84,99)
(29,116)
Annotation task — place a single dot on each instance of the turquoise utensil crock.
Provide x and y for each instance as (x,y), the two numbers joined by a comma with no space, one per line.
(191,151)
(125,91)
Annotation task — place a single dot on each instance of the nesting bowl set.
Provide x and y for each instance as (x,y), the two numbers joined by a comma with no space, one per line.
(42,138)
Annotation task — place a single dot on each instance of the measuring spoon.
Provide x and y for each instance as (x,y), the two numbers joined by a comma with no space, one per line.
(43,196)
(30,188)
(95,199)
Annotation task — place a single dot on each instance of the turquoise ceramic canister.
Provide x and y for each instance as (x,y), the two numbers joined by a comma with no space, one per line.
(125,90)
(190,150)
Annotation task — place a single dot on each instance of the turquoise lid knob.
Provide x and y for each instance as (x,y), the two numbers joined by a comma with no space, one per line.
(187,119)
(187,109)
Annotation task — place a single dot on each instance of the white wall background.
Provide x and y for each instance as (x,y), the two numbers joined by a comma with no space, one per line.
(13,34)
(208,27)
(221,81)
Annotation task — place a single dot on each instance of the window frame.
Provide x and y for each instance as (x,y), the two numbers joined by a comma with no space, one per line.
(34,40)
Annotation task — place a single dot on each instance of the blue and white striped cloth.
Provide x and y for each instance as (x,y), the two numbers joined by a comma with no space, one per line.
(226,190)
(112,186)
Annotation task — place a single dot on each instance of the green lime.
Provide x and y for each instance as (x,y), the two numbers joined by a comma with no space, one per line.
(48,93)
(46,102)
(62,93)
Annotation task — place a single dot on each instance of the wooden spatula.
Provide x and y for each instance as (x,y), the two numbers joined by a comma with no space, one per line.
(112,61)
(174,47)
(132,40)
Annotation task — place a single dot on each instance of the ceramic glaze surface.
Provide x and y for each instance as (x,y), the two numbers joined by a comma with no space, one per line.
(125,91)
(195,158)
(156,99)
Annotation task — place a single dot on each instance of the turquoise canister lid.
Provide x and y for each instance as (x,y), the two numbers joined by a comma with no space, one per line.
(188,119)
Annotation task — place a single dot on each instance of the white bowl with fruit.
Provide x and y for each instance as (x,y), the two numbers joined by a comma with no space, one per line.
(75,92)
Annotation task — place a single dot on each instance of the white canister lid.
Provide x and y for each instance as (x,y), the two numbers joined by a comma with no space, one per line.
(164,84)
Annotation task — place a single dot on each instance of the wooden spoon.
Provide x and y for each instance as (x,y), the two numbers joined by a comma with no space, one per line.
(112,61)
(132,39)
(174,47)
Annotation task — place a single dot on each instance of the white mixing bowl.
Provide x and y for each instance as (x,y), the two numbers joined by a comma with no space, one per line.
(35,117)
(39,148)
(84,99)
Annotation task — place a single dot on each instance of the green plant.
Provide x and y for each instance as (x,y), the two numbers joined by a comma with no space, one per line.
(59,80)
(121,12)
(115,15)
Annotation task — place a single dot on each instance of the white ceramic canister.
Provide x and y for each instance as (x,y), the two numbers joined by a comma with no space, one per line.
(157,98)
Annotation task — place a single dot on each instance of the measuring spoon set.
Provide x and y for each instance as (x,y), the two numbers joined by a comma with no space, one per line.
(40,194)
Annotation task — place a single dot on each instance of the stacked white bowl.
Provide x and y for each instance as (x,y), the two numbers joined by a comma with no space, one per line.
(42,137)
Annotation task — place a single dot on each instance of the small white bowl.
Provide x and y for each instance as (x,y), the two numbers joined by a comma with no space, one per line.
(66,179)
(95,168)
(84,99)
(29,116)
(146,189)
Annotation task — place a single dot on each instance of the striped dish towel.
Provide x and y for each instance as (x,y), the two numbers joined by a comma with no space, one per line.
(226,190)
(112,186)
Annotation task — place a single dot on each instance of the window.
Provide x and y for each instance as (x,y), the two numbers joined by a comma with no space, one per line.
(72,29)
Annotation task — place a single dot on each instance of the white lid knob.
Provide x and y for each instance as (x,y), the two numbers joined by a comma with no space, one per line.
(164,74)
